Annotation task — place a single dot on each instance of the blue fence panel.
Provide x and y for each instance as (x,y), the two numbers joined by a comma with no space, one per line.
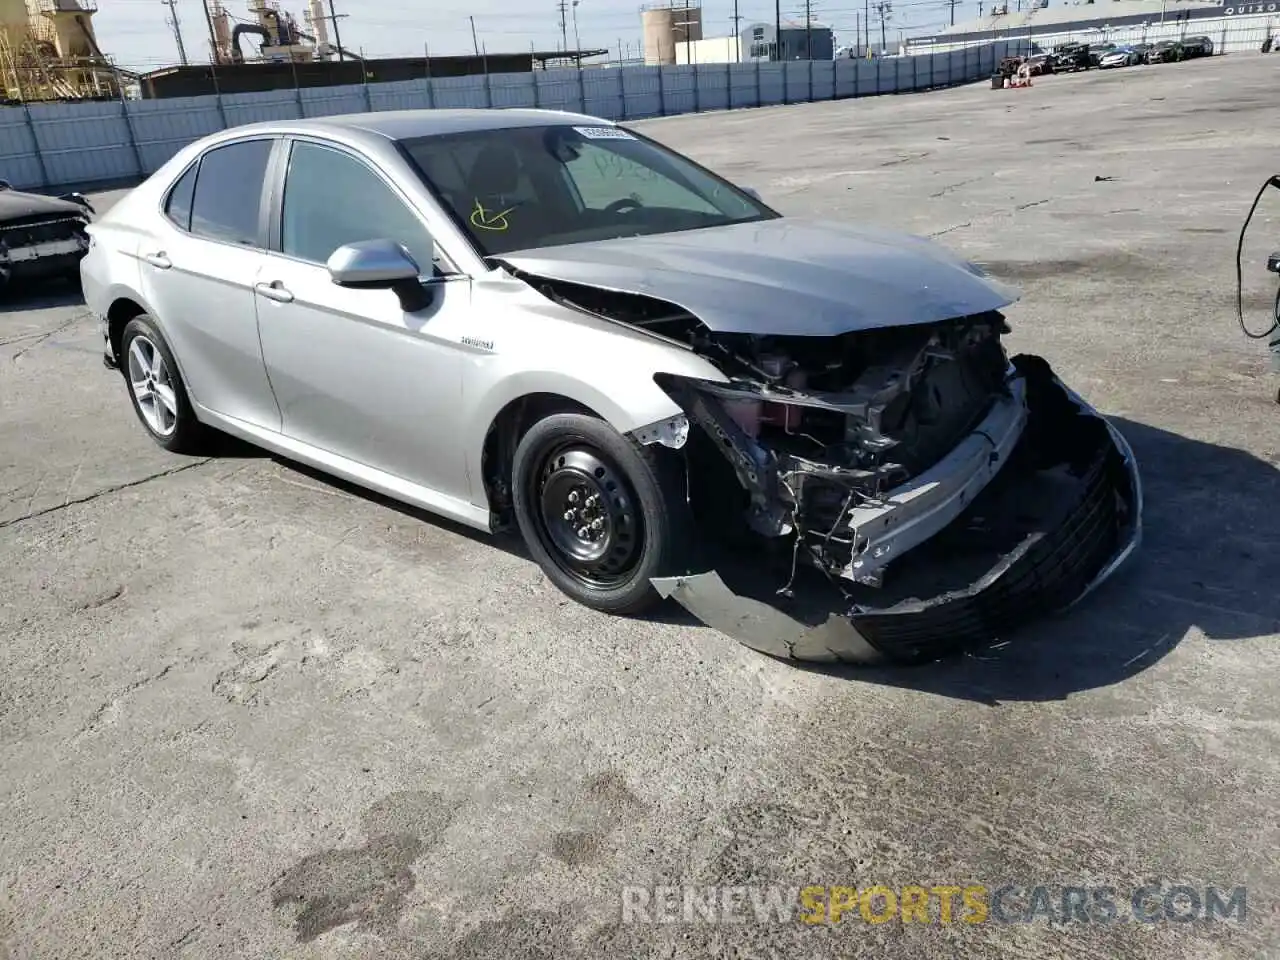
(514,90)
(602,93)
(243,108)
(679,92)
(19,160)
(641,92)
(399,95)
(163,127)
(333,101)
(824,80)
(83,142)
(560,90)
(846,77)
(772,83)
(713,86)
(743,88)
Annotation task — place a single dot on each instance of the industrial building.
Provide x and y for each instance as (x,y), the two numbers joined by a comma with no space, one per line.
(673,34)
(1231,26)
(667,28)
(48,51)
(250,77)
(291,55)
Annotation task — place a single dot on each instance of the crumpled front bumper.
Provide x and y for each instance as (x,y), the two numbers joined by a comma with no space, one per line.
(1093,533)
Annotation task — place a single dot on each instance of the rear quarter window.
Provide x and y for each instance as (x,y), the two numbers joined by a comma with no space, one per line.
(228,192)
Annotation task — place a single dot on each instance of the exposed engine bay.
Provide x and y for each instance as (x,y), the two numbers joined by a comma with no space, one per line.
(856,447)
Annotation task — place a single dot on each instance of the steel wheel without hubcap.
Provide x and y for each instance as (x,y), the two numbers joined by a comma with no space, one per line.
(588,519)
(153,387)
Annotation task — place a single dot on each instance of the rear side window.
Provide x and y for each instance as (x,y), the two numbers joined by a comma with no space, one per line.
(178,207)
(228,192)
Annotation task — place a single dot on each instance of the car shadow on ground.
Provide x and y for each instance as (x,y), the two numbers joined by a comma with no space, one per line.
(45,296)
(1212,530)
(1212,526)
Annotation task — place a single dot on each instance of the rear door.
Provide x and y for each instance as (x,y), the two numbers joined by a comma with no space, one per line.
(198,274)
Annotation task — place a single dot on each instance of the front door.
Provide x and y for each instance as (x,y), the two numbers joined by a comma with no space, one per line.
(353,373)
(198,274)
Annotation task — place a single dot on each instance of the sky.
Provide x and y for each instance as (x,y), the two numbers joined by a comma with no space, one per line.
(137,35)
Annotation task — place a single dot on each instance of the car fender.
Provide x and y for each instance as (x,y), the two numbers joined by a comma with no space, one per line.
(609,369)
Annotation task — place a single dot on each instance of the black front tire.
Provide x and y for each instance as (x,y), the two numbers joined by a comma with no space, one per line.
(640,507)
(189,435)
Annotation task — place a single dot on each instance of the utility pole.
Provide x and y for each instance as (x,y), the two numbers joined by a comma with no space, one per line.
(737,32)
(883,8)
(866,25)
(334,17)
(213,36)
(563,6)
(808,29)
(952,4)
(777,30)
(177,28)
(475,41)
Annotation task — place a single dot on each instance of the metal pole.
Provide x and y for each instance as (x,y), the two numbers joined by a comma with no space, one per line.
(777,30)
(866,26)
(474,40)
(177,29)
(337,37)
(737,33)
(213,35)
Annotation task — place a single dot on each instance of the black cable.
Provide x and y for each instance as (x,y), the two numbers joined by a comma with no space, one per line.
(1271,182)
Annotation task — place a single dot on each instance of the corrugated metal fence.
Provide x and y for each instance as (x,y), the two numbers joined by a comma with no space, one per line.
(54,145)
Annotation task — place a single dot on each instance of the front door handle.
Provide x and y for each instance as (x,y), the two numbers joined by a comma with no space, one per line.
(158,260)
(275,291)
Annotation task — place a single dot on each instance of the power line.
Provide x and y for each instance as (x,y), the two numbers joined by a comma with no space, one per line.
(177,28)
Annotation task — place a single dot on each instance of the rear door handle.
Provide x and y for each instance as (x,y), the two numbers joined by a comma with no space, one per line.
(159,260)
(275,291)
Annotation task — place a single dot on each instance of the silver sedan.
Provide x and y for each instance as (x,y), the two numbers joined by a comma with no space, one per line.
(546,323)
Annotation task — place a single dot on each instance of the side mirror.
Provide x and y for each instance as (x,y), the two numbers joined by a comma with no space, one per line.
(380,265)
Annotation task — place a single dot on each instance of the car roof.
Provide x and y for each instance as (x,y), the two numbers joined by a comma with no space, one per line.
(410,124)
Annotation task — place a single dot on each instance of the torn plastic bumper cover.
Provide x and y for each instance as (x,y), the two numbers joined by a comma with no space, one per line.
(1063,512)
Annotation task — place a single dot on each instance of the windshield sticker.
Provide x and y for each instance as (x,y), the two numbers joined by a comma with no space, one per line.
(483,219)
(604,133)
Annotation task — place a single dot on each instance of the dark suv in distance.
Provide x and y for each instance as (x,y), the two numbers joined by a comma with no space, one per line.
(1197,47)
(1166,51)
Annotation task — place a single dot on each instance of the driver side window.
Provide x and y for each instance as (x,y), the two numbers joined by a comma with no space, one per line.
(332,199)
(603,177)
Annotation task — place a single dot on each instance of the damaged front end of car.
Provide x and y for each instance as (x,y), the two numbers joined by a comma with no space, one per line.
(885,492)
(942,492)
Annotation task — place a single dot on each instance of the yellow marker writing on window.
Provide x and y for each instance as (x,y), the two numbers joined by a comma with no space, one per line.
(482,219)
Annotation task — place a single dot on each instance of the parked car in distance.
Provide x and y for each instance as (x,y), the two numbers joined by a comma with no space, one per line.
(1099,50)
(1040,63)
(1119,57)
(41,237)
(1069,57)
(1166,51)
(545,323)
(1197,47)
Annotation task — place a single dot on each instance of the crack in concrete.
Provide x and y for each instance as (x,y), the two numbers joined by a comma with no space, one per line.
(100,716)
(40,338)
(35,514)
(956,186)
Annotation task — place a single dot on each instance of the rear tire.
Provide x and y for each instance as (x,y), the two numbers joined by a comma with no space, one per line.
(600,514)
(156,389)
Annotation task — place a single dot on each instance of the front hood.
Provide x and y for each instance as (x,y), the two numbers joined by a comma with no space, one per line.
(785,276)
(14,205)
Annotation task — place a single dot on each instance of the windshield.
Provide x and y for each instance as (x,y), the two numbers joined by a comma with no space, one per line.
(529,187)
